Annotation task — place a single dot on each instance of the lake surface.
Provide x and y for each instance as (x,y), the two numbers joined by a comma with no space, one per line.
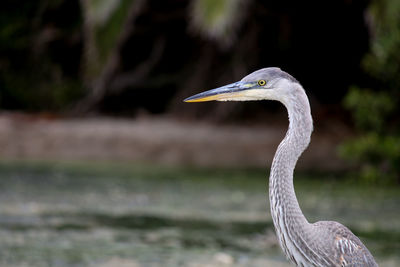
(85,214)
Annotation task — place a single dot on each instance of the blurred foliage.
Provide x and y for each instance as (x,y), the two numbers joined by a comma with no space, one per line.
(217,19)
(107,25)
(47,48)
(379,155)
(370,109)
(112,56)
(377,148)
(33,76)
(104,23)
(383,61)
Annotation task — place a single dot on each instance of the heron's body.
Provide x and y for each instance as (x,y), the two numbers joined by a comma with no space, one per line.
(323,243)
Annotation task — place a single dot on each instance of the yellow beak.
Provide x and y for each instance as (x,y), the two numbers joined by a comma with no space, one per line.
(229,91)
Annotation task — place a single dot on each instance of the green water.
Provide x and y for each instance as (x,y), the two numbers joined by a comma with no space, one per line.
(73,214)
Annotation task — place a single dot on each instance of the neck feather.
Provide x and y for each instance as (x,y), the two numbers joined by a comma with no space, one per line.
(290,224)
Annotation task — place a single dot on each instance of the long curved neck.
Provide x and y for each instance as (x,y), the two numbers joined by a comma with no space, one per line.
(290,224)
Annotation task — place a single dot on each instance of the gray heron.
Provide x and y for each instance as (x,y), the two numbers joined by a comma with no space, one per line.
(323,243)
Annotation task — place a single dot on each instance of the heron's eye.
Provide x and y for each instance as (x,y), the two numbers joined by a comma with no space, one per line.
(261,82)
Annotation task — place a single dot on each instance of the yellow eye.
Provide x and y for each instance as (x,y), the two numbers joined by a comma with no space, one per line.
(261,82)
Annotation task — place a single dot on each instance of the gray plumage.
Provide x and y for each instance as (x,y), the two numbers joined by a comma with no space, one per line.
(324,243)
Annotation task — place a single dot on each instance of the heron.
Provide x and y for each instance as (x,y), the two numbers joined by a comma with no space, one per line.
(323,243)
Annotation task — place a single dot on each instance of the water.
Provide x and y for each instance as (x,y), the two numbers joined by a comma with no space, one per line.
(117,215)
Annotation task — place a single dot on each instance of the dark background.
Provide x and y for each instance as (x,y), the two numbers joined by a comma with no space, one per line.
(138,59)
(43,43)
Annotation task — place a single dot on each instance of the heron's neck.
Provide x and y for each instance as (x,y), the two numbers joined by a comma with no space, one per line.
(287,216)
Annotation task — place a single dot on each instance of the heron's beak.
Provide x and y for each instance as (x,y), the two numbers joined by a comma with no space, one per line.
(228,92)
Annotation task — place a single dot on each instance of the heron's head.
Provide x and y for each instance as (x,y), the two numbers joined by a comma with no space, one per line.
(267,83)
